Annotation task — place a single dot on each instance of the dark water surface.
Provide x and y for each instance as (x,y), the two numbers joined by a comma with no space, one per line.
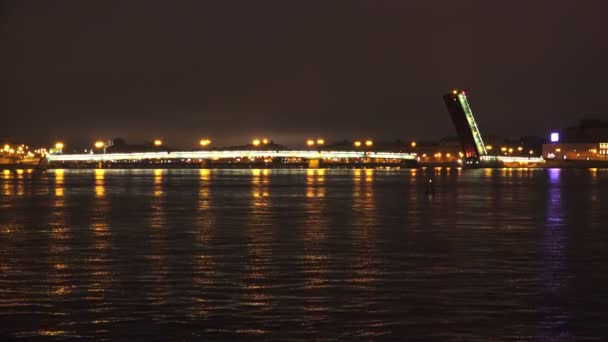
(501,254)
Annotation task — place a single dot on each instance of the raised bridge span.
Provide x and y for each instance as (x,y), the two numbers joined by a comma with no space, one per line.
(473,147)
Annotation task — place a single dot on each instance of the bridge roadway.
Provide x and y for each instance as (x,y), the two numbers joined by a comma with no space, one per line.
(214,155)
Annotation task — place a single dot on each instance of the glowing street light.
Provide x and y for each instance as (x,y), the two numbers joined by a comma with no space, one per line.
(413,144)
(265,141)
(59,145)
(320,141)
(369,143)
(158,142)
(256,142)
(503,149)
(205,142)
(489,147)
(99,144)
(520,148)
(357,143)
(310,142)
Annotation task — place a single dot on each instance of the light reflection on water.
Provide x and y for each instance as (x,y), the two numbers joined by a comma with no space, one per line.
(204,274)
(156,289)
(554,274)
(256,295)
(6,185)
(298,254)
(100,261)
(60,245)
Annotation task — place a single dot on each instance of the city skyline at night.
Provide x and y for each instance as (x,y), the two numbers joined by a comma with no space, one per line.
(279,170)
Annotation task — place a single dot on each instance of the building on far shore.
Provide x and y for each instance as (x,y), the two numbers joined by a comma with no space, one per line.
(587,141)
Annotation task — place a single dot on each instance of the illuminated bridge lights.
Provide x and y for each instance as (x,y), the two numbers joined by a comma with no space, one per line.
(481,147)
(512,159)
(229,154)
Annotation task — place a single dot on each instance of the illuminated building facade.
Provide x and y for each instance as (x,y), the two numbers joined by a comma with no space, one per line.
(587,141)
(574,151)
(604,149)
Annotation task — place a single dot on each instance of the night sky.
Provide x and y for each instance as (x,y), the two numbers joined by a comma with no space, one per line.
(233,70)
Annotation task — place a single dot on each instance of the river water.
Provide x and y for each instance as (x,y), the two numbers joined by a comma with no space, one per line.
(490,254)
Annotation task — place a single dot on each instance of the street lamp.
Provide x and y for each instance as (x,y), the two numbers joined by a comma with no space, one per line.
(369,143)
(357,143)
(256,142)
(265,141)
(205,142)
(413,144)
(99,145)
(312,142)
(158,142)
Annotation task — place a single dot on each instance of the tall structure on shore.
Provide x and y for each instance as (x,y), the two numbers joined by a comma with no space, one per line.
(466,127)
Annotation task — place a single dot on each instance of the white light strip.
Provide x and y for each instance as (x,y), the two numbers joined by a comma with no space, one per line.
(507,159)
(228,154)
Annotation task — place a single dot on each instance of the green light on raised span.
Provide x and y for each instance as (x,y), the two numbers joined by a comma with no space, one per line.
(481,147)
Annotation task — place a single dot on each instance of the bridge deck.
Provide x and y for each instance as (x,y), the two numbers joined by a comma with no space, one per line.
(512,159)
(229,154)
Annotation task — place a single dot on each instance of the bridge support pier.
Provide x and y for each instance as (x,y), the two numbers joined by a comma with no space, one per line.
(315,163)
(206,164)
(408,164)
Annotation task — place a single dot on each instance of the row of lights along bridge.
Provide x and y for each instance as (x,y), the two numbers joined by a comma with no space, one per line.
(99,145)
(59,146)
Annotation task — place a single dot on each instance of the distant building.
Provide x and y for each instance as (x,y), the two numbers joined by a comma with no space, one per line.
(587,141)
(574,151)
(588,131)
